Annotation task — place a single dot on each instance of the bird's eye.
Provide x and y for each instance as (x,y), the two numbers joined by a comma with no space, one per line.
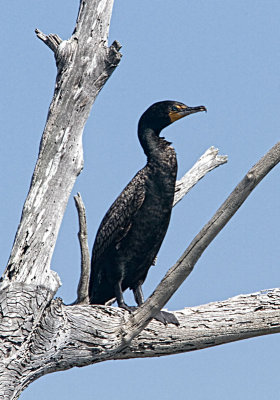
(174,108)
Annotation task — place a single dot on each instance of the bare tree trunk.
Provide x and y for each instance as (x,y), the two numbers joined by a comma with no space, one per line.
(84,63)
(39,334)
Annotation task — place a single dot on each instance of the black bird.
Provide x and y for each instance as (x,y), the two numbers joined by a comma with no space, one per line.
(134,227)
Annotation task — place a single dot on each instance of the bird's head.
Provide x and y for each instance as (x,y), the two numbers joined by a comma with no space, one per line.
(163,113)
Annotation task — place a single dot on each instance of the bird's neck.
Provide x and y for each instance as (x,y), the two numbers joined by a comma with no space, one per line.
(153,145)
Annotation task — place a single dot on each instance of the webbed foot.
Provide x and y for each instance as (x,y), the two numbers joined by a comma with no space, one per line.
(128,308)
(167,318)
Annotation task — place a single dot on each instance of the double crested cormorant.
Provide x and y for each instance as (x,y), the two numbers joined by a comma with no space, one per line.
(134,227)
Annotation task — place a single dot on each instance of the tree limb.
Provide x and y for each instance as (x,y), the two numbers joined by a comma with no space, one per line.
(208,325)
(206,163)
(184,266)
(79,335)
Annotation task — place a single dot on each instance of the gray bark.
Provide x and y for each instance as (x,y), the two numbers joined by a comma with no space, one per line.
(39,334)
(61,337)
(82,291)
(206,163)
(84,64)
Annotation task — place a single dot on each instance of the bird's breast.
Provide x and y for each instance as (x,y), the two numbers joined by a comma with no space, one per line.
(149,225)
(161,175)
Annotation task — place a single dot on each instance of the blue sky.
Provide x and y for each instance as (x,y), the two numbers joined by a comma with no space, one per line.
(223,54)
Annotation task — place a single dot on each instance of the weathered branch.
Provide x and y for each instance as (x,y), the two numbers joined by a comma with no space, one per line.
(84,64)
(207,162)
(183,267)
(82,292)
(221,322)
(51,40)
(80,335)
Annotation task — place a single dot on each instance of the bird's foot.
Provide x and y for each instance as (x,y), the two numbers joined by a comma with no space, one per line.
(128,308)
(166,318)
(163,316)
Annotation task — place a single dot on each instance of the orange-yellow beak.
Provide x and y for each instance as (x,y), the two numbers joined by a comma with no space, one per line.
(183,111)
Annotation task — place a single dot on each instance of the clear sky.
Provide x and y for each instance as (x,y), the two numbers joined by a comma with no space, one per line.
(223,54)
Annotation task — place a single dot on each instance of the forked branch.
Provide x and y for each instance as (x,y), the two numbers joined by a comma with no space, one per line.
(51,40)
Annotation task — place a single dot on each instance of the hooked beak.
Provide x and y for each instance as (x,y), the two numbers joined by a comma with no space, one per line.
(183,112)
(192,110)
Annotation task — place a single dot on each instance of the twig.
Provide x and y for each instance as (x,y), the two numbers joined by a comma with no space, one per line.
(51,40)
(207,162)
(82,291)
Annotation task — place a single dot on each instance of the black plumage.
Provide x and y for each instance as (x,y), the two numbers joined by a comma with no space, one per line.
(134,227)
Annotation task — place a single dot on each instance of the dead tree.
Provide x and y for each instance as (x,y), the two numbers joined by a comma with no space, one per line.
(38,333)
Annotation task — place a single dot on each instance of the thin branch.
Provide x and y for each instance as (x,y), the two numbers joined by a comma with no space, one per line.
(207,162)
(82,292)
(51,40)
(184,266)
